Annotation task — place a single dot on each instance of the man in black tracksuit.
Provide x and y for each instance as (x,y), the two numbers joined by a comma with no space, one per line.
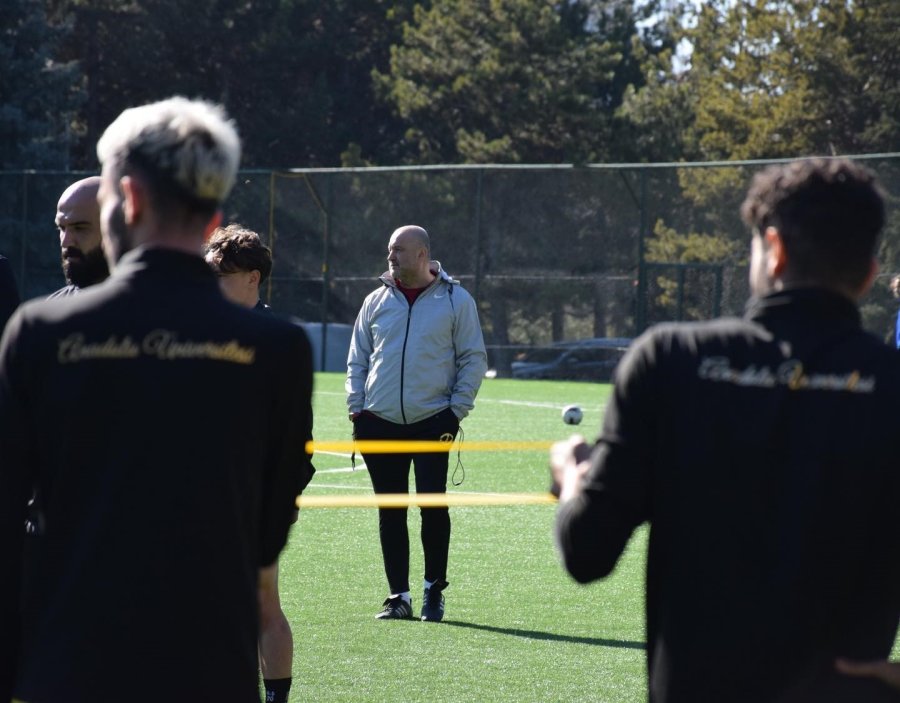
(242,264)
(78,222)
(157,507)
(763,452)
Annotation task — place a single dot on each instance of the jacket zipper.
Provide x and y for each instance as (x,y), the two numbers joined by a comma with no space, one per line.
(405,340)
(403,356)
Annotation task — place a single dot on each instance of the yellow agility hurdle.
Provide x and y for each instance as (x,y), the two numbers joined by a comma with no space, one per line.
(424,500)
(406,446)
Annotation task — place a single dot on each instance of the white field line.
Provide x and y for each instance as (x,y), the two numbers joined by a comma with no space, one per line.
(343,470)
(523,403)
(338,486)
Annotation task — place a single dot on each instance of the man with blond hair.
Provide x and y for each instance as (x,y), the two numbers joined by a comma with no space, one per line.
(138,581)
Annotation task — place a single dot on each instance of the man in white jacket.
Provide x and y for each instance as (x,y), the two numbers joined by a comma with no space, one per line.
(415,365)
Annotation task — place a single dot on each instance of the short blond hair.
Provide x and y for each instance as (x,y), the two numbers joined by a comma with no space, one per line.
(188,146)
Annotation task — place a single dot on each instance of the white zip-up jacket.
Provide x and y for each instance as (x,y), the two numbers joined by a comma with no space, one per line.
(409,362)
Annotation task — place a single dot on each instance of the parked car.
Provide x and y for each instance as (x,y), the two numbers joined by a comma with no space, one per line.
(582,360)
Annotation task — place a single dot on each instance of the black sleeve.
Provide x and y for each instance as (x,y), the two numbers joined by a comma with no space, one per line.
(593,528)
(15,482)
(288,468)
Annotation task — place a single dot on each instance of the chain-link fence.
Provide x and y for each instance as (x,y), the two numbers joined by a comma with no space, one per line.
(550,253)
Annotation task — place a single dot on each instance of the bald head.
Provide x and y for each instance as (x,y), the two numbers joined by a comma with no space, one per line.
(409,256)
(85,189)
(78,223)
(416,235)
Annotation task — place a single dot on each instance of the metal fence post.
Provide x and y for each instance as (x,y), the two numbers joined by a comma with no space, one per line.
(640,314)
(479,178)
(326,268)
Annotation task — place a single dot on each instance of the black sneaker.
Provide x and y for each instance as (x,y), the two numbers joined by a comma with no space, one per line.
(433,602)
(395,609)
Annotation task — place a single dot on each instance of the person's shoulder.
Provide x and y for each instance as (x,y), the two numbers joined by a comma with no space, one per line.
(690,335)
(376,295)
(39,316)
(64,292)
(669,344)
(271,325)
(454,287)
(35,315)
(457,287)
(885,356)
(56,306)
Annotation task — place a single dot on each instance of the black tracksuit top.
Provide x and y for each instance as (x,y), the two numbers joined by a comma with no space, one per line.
(765,453)
(163,428)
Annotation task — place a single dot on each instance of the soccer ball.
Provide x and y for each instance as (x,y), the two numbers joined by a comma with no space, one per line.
(572,415)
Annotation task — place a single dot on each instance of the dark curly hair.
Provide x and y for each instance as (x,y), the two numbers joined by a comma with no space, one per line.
(829,213)
(235,248)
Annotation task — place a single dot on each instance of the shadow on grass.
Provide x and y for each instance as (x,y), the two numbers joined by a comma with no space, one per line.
(535,635)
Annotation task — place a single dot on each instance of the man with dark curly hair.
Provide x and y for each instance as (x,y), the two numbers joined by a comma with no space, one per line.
(762,451)
(242,264)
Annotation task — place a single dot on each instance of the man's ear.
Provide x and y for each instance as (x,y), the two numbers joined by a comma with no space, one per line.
(135,199)
(776,254)
(254,277)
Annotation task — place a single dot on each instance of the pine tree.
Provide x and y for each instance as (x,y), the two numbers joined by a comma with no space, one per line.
(38,96)
(512,80)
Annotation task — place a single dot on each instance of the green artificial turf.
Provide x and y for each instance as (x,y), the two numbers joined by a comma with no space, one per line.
(516,627)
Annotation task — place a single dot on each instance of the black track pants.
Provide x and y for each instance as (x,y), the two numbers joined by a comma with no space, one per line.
(390,474)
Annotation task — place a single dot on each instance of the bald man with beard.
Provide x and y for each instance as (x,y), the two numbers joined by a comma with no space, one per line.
(78,222)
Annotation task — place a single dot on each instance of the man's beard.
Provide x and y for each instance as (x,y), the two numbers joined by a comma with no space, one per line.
(84,268)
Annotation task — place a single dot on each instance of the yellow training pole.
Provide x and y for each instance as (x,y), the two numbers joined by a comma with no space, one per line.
(424,500)
(405,446)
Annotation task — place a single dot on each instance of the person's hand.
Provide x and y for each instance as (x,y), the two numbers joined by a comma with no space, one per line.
(569,461)
(886,671)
